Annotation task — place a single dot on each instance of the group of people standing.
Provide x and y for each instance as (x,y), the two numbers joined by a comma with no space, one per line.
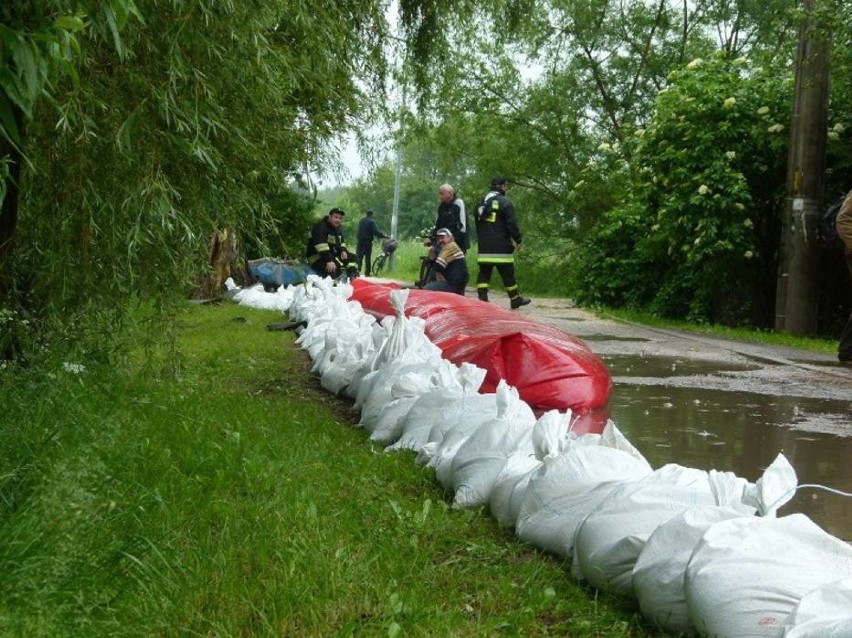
(496,227)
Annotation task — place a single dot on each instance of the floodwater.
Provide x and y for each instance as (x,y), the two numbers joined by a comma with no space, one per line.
(731,406)
(706,415)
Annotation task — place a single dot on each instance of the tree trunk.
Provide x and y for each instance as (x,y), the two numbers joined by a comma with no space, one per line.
(9,210)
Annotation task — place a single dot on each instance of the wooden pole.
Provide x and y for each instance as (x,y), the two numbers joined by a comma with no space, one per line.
(796,305)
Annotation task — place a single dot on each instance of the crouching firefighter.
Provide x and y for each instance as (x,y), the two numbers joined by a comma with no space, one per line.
(499,238)
(327,254)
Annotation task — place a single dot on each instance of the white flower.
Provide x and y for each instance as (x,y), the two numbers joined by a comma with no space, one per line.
(703,190)
(833,135)
(604,146)
(748,254)
(741,61)
(739,206)
(730,102)
(747,222)
(731,155)
(776,128)
(696,62)
(73,368)
(655,228)
(639,132)
(838,128)
(763,110)
(697,241)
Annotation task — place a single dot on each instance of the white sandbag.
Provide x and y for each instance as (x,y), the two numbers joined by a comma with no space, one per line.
(456,430)
(405,391)
(507,495)
(551,434)
(406,334)
(257,297)
(747,575)
(379,333)
(346,344)
(658,574)
(335,378)
(570,485)
(611,537)
(381,389)
(774,488)
(482,457)
(454,397)
(658,577)
(825,612)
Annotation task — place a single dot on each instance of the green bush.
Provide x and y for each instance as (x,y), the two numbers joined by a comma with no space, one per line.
(701,222)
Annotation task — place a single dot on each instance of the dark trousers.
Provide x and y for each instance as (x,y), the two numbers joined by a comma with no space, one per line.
(350,268)
(365,251)
(844,350)
(507,274)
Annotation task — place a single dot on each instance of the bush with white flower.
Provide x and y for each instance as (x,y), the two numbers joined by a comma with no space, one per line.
(704,205)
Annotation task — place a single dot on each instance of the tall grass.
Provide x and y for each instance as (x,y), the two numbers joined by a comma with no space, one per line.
(234,498)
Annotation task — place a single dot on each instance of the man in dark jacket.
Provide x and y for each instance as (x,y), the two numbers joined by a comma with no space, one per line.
(449,263)
(452,216)
(327,253)
(499,238)
(368,229)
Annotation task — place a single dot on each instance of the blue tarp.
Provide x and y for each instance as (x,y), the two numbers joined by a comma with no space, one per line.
(279,272)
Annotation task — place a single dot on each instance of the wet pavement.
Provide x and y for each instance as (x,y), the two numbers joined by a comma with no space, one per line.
(716,404)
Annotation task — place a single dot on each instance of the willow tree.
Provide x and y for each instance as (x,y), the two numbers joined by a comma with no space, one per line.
(136,129)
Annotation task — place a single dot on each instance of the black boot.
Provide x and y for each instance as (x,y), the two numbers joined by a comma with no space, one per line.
(517,302)
(483,294)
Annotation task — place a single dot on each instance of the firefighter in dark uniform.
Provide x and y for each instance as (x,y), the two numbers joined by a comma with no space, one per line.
(499,238)
(327,253)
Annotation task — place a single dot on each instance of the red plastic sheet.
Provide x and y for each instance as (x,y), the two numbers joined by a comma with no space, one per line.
(550,368)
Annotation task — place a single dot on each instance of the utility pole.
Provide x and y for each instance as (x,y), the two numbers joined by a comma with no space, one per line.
(395,211)
(796,305)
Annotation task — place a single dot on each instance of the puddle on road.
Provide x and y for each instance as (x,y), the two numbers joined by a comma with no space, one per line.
(743,432)
(603,337)
(648,366)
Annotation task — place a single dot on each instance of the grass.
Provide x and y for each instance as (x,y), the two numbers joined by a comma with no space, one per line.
(754,335)
(236,499)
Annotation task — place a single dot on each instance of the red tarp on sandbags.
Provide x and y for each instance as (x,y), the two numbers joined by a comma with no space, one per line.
(550,368)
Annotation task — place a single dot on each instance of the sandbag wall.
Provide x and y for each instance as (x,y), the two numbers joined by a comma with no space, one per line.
(702,551)
(551,369)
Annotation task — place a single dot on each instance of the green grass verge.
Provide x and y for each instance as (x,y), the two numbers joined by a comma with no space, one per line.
(825,346)
(236,499)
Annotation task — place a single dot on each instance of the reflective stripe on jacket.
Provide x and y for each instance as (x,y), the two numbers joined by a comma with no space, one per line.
(497,229)
(325,244)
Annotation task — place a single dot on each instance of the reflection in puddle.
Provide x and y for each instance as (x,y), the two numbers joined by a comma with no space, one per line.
(648,366)
(743,432)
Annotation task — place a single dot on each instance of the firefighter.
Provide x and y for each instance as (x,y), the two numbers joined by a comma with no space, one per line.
(327,253)
(499,238)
